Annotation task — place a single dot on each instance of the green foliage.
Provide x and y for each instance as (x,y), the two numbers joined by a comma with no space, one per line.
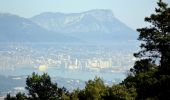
(119,92)
(96,90)
(151,74)
(40,87)
(156,38)
(143,65)
(19,96)
(9,97)
(145,84)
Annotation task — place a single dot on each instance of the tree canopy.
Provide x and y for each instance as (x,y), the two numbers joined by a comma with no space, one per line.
(151,73)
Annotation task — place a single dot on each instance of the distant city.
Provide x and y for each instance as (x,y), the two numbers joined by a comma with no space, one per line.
(68,65)
(67,58)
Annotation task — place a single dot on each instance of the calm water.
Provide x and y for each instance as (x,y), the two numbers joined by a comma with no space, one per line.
(73,74)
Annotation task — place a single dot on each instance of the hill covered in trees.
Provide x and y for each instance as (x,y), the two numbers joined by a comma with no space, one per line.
(149,78)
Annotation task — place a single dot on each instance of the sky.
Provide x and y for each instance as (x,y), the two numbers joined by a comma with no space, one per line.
(130,12)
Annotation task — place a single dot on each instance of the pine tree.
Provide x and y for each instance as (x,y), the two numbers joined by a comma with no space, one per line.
(151,74)
(156,38)
(40,87)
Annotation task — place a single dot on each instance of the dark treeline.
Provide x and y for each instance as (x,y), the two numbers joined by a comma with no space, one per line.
(149,79)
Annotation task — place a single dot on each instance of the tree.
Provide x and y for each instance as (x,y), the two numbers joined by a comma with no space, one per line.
(19,96)
(144,65)
(94,90)
(40,87)
(97,90)
(119,92)
(9,97)
(151,74)
(156,38)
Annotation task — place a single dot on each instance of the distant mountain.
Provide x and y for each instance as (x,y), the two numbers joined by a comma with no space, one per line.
(18,29)
(92,26)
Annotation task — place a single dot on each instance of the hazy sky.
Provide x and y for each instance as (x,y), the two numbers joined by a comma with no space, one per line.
(131,12)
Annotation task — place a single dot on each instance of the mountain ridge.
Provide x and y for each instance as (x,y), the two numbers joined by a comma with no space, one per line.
(14,28)
(94,26)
